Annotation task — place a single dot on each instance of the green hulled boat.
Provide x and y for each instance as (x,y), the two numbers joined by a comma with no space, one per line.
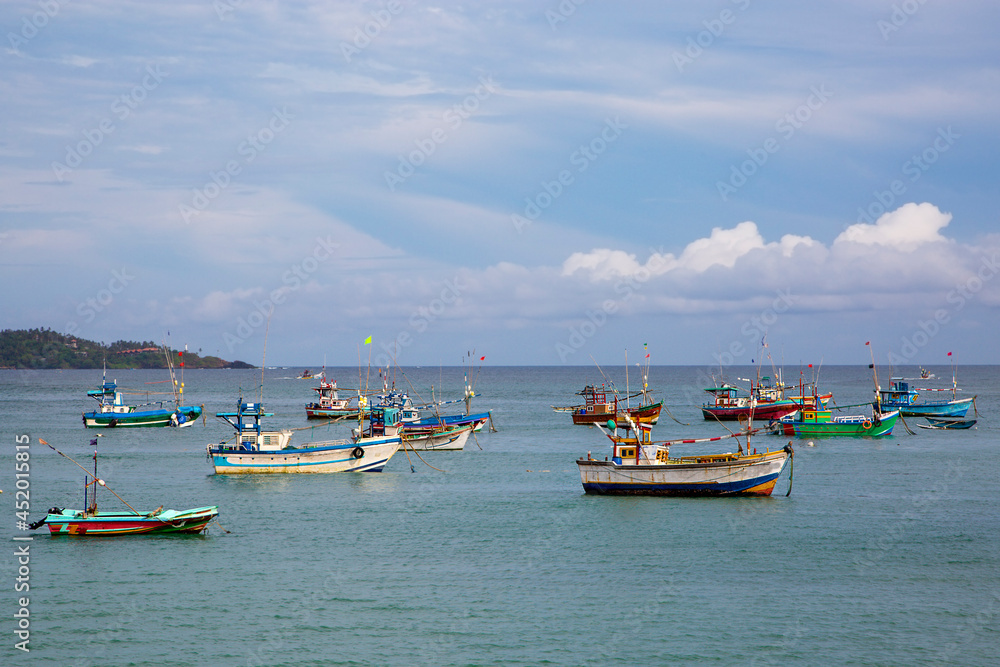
(819,423)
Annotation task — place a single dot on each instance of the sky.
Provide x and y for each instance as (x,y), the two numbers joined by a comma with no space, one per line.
(539,183)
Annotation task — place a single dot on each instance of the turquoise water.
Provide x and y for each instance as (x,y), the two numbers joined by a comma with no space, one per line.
(886,552)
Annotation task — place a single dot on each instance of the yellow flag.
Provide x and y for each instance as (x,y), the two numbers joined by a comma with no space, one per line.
(368,340)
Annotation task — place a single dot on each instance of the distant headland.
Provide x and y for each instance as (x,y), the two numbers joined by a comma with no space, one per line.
(44,348)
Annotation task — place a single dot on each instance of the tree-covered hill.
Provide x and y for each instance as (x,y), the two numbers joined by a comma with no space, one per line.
(44,348)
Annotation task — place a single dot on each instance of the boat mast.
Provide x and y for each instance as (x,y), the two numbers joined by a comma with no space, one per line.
(628,391)
(263,358)
(878,395)
(954,379)
(170,369)
(93,507)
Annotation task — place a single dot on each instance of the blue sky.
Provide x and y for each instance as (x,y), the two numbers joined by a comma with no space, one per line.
(543,182)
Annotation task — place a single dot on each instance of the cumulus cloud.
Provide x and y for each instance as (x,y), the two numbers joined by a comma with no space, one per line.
(906,228)
(723,247)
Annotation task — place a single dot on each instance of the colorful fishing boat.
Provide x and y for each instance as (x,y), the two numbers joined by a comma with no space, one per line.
(597,409)
(640,466)
(763,402)
(901,396)
(94,523)
(112,411)
(330,405)
(809,422)
(415,416)
(433,432)
(258,451)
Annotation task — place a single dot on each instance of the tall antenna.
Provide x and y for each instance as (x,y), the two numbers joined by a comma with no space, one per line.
(878,396)
(263,357)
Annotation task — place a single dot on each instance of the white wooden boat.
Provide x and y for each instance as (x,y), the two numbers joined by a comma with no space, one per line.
(639,466)
(259,451)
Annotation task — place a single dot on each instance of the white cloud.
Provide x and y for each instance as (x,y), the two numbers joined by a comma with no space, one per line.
(723,247)
(906,228)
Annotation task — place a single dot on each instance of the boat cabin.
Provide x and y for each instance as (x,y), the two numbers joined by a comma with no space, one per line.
(899,394)
(726,396)
(110,399)
(384,421)
(328,397)
(596,401)
(249,435)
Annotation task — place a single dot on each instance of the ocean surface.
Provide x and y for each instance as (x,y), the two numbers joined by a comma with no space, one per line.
(887,551)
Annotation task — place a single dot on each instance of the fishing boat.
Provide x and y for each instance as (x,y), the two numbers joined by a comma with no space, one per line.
(434,432)
(812,422)
(764,401)
(436,438)
(112,410)
(258,451)
(306,375)
(94,523)
(948,423)
(809,422)
(597,409)
(329,404)
(901,396)
(415,416)
(640,466)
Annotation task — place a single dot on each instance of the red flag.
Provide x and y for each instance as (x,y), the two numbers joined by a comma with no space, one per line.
(868,342)
(810,365)
(182,364)
(949,354)
(647,356)
(482,358)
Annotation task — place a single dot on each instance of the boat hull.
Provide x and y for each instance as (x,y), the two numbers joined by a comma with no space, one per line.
(185,416)
(762,411)
(843,426)
(452,439)
(339,456)
(956,408)
(751,475)
(646,414)
(330,413)
(950,424)
(477,421)
(102,524)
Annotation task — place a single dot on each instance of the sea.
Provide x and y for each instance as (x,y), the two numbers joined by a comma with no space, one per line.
(885,552)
